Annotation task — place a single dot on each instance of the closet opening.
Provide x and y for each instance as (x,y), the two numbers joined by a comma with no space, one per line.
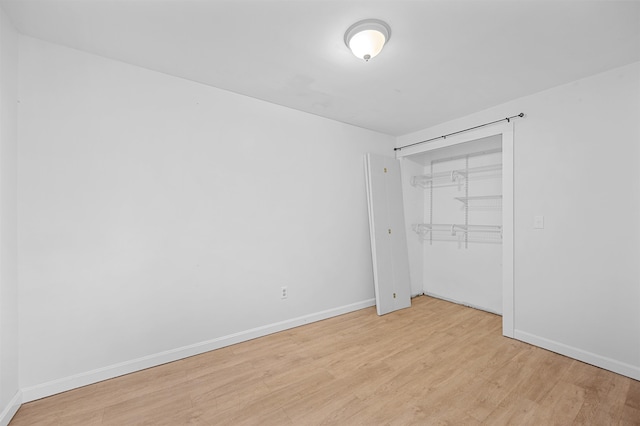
(458,210)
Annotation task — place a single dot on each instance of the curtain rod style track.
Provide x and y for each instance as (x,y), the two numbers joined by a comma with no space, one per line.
(507,119)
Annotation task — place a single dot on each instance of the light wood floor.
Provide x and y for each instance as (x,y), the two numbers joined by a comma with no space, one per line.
(436,363)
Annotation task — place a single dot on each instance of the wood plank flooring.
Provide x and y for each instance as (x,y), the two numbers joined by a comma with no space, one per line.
(436,363)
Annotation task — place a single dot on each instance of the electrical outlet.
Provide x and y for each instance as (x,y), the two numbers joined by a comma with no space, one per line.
(284,293)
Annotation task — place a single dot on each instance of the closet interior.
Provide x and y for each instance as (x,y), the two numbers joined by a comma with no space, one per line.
(452,200)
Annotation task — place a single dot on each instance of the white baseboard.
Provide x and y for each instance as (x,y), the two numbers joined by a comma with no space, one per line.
(619,367)
(10,410)
(82,379)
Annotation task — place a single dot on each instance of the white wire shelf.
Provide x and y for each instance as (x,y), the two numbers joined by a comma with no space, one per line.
(454,176)
(478,198)
(481,202)
(453,229)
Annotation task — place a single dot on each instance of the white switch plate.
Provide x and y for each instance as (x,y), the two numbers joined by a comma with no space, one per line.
(538,222)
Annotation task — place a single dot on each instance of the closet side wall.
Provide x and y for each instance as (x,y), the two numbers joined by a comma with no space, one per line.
(414,208)
(576,162)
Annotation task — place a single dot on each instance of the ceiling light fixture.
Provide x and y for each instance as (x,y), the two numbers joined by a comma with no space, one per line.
(367,38)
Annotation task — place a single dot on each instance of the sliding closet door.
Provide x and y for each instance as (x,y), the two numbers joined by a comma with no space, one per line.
(388,237)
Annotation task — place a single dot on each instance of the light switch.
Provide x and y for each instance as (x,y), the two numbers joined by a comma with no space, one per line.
(538,222)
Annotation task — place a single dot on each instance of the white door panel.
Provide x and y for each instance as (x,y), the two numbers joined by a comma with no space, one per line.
(388,237)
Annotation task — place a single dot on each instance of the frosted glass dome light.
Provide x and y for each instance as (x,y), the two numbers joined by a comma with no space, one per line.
(367,38)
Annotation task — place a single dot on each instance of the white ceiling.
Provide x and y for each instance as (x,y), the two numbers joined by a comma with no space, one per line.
(445,59)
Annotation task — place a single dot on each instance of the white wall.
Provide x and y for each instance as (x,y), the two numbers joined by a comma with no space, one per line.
(160,217)
(9,385)
(577,154)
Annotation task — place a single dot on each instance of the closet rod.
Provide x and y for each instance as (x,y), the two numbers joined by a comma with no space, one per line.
(507,119)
